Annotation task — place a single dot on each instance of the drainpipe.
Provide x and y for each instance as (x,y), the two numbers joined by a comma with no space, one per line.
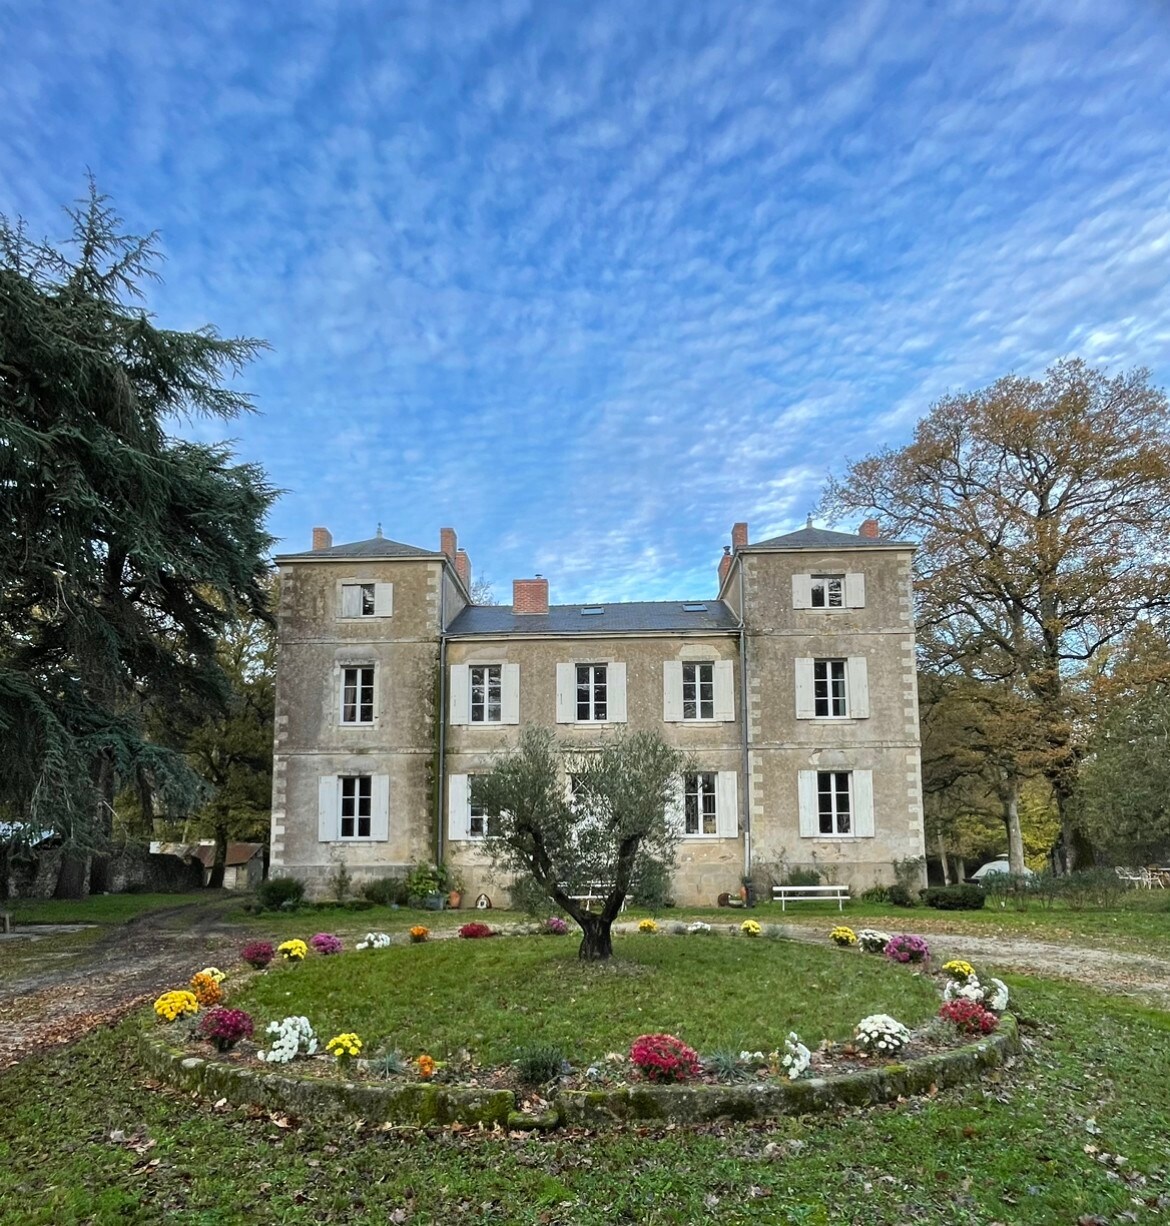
(441,766)
(743,719)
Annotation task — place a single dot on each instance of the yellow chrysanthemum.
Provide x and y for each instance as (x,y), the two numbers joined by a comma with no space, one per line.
(293,951)
(214,972)
(647,925)
(344,1046)
(842,935)
(750,928)
(171,1005)
(958,970)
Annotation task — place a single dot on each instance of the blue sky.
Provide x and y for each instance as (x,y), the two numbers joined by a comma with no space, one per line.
(591,281)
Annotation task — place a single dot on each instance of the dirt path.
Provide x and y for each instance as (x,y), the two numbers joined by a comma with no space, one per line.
(138,960)
(99,984)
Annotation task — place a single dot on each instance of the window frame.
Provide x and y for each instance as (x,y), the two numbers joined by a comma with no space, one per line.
(834,793)
(356,817)
(706,787)
(827,579)
(592,684)
(830,664)
(697,685)
(486,702)
(372,669)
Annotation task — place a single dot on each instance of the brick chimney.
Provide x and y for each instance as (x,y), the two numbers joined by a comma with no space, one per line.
(463,566)
(322,539)
(530,595)
(739,536)
(447,543)
(724,565)
(870,528)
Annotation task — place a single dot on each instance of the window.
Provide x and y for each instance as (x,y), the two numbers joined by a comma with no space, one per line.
(829,696)
(357,695)
(834,802)
(699,810)
(356,600)
(832,689)
(828,591)
(357,806)
(698,682)
(592,705)
(486,694)
(479,825)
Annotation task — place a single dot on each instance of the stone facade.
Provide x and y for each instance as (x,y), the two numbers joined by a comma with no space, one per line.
(393,691)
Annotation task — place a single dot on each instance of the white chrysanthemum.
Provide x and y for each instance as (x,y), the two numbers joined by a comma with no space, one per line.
(698,927)
(997,996)
(872,940)
(881,1033)
(797,1057)
(374,940)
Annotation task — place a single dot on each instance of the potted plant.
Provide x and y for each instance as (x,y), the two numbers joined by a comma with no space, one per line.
(454,886)
(426,885)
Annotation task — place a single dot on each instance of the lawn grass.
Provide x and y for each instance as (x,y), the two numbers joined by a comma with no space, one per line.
(493,996)
(101,908)
(1011,1150)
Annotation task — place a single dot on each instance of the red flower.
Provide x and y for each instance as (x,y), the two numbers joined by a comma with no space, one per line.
(663,1058)
(969,1016)
(475,930)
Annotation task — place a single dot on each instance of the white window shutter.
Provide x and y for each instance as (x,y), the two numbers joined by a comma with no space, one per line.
(727,805)
(802,591)
(615,677)
(855,591)
(349,600)
(458,808)
(857,673)
(510,694)
(675,813)
(805,695)
(383,599)
(725,690)
(380,808)
(460,694)
(672,711)
(863,804)
(566,694)
(810,826)
(328,809)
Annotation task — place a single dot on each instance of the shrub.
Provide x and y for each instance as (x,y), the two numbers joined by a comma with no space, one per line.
(876,893)
(652,884)
(968,1016)
(663,1058)
(873,941)
(881,1034)
(171,1005)
(907,948)
(385,892)
(278,892)
(475,931)
(539,1063)
(803,876)
(424,880)
(900,896)
(1096,887)
(954,897)
(728,1065)
(206,991)
(326,943)
(225,1027)
(258,953)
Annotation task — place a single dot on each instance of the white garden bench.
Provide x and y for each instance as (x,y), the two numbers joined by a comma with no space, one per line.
(595,891)
(784,894)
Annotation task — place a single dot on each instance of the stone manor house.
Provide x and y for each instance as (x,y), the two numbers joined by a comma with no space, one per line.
(793,689)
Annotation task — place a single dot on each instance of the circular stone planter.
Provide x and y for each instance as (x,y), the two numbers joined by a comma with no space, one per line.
(422,1103)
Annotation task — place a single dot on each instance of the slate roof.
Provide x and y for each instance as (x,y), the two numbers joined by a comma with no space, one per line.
(823,538)
(631,617)
(376,547)
(237,853)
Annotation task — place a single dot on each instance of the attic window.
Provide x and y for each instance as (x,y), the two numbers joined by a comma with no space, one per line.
(591,611)
(694,608)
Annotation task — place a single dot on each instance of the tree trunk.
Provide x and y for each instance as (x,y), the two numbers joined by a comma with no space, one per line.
(72,876)
(597,941)
(215,881)
(1011,817)
(942,855)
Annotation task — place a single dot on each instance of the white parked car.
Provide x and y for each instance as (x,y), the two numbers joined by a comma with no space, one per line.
(996,866)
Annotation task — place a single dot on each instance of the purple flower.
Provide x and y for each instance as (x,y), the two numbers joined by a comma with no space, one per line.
(225,1027)
(326,943)
(258,953)
(905,947)
(556,926)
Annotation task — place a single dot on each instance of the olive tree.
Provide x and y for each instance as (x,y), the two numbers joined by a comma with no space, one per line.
(570,821)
